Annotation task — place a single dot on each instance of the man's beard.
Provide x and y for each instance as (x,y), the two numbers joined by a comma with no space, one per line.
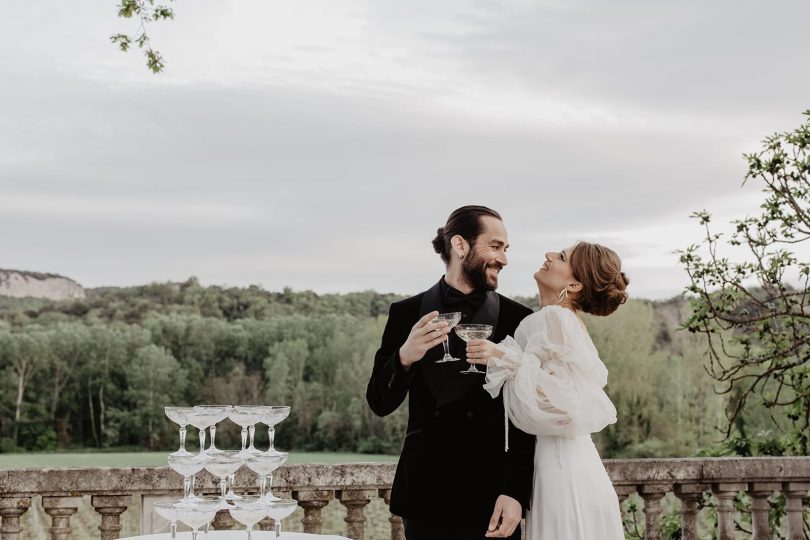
(474,269)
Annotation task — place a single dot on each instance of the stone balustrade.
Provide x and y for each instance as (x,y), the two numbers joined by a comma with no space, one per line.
(111,492)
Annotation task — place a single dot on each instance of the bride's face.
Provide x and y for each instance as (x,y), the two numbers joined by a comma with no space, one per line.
(556,273)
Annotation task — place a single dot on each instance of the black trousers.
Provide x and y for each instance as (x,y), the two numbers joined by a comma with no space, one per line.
(432,530)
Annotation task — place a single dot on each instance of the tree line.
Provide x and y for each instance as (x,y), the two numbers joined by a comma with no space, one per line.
(96,373)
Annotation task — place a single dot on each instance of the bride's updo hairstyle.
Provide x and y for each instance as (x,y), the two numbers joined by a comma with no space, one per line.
(604,284)
(465,222)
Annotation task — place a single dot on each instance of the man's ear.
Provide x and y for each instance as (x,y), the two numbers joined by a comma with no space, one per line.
(460,246)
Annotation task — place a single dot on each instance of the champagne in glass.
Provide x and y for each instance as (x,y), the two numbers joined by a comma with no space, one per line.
(470,332)
(451,319)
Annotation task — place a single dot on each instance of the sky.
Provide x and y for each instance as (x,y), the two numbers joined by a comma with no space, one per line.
(320,144)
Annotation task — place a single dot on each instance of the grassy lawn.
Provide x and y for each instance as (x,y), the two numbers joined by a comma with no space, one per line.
(146,459)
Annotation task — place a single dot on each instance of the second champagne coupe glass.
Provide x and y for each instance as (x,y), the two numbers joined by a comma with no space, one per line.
(272,415)
(249,511)
(213,415)
(280,509)
(451,319)
(264,465)
(247,416)
(179,415)
(187,467)
(469,332)
(223,464)
(198,513)
(167,509)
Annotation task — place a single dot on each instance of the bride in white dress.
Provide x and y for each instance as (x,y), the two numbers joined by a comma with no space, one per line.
(552,382)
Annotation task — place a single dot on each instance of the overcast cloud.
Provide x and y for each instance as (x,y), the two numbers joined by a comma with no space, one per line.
(320,144)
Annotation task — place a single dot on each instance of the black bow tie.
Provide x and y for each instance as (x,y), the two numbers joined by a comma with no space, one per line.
(455,300)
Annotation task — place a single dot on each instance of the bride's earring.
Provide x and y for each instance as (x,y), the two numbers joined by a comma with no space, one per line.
(563,295)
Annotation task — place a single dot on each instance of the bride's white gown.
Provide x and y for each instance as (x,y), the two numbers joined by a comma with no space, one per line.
(552,382)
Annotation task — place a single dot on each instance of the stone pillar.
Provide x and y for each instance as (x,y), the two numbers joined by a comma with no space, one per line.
(725,494)
(11,508)
(60,509)
(794,493)
(313,501)
(110,507)
(397,528)
(652,495)
(623,491)
(690,495)
(759,493)
(223,521)
(355,501)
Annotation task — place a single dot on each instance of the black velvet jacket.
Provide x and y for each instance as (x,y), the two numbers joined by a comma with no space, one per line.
(453,465)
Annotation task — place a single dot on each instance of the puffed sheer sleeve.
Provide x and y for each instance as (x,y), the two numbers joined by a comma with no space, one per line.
(551,377)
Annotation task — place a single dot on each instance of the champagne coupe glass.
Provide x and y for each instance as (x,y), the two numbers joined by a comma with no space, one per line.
(264,465)
(247,416)
(272,415)
(200,418)
(188,466)
(198,513)
(223,464)
(179,415)
(469,332)
(167,509)
(451,319)
(215,414)
(249,511)
(280,509)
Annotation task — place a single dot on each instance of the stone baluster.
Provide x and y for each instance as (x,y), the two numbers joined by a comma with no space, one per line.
(110,507)
(397,527)
(223,521)
(60,509)
(355,501)
(794,493)
(759,493)
(725,494)
(690,495)
(313,501)
(652,495)
(267,524)
(623,491)
(11,508)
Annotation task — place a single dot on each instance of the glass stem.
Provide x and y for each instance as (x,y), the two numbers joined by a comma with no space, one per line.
(194,534)
(244,437)
(252,432)
(446,348)
(207,526)
(202,440)
(270,486)
(250,532)
(262,485)
(223,486)
(183,439)
(213,430)
(174,529)
(278,529)
(271,434)
(187,480)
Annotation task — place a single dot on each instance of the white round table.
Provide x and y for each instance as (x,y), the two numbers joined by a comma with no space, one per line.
(238,535)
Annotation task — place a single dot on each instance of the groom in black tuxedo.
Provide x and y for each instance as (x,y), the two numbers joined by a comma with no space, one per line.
(454,480)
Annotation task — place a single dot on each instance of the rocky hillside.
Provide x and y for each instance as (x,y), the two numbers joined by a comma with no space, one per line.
(22,284)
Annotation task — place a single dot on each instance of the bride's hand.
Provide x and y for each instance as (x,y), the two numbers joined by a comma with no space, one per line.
(480,350)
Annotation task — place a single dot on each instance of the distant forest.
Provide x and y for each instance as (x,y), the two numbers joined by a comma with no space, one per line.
(96,373)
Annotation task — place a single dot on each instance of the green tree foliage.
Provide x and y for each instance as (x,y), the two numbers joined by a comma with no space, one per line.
(105,366)
(144,12)
(750,294)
